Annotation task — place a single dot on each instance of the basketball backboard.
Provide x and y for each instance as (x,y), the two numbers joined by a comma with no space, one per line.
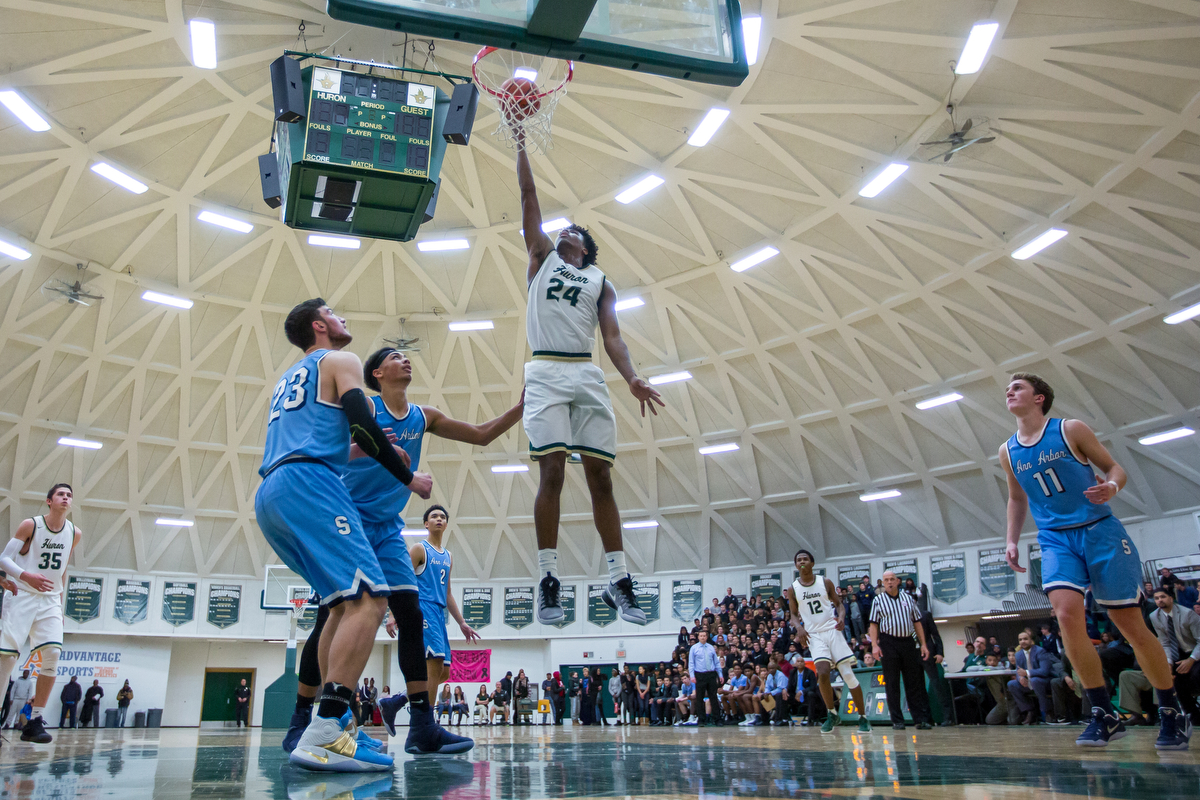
(697,40)
(280,586)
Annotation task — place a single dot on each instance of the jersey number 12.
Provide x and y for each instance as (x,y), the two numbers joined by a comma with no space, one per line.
(814,607)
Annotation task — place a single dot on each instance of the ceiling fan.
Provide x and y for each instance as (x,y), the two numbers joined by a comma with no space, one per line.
(74,293)
(958,139)
(404,342)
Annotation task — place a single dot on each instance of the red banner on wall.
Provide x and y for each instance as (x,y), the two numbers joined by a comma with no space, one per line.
(470,666)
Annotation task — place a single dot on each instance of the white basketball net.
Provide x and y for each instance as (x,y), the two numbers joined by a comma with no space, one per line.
(530,113)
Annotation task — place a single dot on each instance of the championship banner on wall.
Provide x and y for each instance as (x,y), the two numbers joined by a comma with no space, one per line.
(904,568)
(308,617)
(470,666)
(598,611)
(83,598)
(477,607)
(851,575)
(648,599)
(566,598)
(996,578)
(133,601)
(948,574)
(767,585)
(687,598)
(179,602)
(518,606)
(224,604)
(1035,565)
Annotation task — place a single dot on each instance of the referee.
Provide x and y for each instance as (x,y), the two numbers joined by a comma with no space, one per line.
(894,619)
(705,669)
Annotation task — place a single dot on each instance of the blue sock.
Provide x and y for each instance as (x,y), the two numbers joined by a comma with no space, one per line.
(1167,700)
(1099,698)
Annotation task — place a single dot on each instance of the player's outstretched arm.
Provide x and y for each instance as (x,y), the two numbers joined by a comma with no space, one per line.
(19,545)
(480,435)
(615,346)
(345,374)
(1018,507)
(1084,441)
(537,243)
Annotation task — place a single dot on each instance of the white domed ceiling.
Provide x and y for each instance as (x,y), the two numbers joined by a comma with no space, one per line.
(812,361)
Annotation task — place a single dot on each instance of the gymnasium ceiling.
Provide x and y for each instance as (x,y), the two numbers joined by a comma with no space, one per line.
(812,361)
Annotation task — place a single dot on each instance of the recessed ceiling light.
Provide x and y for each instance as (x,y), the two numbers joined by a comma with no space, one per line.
(223,221)
(708,126)
(23,111)
(718,448)
(344,242)
(641,523)
(1039,244)
(119,178)
(502,468)
(646,184)
(629,302)
(556,225)
(883,180)
(867,498)
(1166,436)
(204,43)
(167,299)
(525,72)
(975,50)
(942,400)
(12,251)
(437,245)
(670,377)
(751,29)
(174,523)
(1174,319)
(754,259)
(69,442)
(472,325)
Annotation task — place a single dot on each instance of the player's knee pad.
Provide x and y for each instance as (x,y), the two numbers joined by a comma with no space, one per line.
(410,635)
(848,676)
(49,665)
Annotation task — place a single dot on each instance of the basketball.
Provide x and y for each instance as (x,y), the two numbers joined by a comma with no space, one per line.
(519,99)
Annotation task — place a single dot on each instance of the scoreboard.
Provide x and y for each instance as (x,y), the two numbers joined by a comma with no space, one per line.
(366,157)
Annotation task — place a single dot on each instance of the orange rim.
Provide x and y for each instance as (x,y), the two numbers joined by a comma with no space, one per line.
(484,52)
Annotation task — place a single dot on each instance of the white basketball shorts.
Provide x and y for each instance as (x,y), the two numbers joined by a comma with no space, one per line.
(33,618)
(829,646)
(567,409)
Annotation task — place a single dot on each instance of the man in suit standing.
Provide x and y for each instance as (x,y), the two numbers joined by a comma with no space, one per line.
(1035,670)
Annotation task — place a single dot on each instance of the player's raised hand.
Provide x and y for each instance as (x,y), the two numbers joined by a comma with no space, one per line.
(1102,492)
(647,395)
(38,581)
(422,485)
(469,632)
(1013,555)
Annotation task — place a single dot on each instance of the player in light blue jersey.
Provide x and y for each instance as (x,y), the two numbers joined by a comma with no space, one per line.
(311,523)
(1051,467)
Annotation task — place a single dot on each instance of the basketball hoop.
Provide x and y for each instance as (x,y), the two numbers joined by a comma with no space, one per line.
(513,83)
(298,604)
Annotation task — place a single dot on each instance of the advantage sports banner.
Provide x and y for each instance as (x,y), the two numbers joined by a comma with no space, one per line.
(852,574)
(1035,565)
(598,611)
(477,607)
(948,575)
(179,602)
(224,604)
(133,601)
(518,606)
(687,598)
(904,568)
(566,597)
(767,585)
(83,598)
(470,666)
(648,599)
(996,578)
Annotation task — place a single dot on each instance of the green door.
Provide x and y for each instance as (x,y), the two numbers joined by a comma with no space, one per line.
(606,699)
(219,704)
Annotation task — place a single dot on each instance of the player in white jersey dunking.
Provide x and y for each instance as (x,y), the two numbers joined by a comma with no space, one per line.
(35,561)
(567,407)
(814,602)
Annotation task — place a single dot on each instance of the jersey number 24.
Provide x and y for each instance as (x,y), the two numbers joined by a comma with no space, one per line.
(572,293)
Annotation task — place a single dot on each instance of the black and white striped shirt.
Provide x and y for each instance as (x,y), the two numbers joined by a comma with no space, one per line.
(895,615)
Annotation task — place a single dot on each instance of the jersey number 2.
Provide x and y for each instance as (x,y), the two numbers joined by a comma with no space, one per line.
(556,286)
(1050,473)
(53,560)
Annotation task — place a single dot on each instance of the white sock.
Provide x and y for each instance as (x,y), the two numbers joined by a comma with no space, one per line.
(37,712)
(616,565)
(548,562)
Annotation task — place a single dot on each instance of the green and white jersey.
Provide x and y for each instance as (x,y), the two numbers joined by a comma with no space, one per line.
(563,310)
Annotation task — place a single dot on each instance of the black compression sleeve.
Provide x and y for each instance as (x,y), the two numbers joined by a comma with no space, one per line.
(367,434)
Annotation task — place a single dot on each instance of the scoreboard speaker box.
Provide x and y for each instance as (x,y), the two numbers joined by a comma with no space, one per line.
(268,175)
(429,209)
(460,119)
(287,89)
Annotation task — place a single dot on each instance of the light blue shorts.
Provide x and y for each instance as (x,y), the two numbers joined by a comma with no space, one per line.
(1100,555)
(437,641)
(387,540)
